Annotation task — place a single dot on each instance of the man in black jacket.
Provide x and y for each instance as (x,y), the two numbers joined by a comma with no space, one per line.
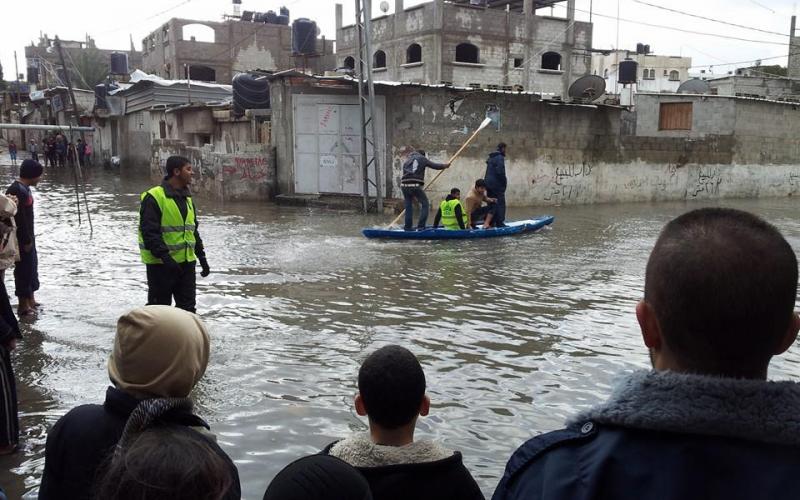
(169,240)
(719,296)
(413,186)
(26,272)
(391,394)
(496,182)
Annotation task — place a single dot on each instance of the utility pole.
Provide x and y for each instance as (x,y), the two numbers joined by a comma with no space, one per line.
(69,86)
(187,68)
(16,77)
(366,100)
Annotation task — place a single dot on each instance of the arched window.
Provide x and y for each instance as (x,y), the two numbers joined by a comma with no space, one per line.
(551,60)
(467,53)
(349,62)
(605,73)
(674,76)
(379,61)
(414,53)
(198,33)
(645,74)
(652,74)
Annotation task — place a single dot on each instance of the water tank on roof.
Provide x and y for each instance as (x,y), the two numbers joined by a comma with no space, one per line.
(304,36)
(271,17)
(249,92)
(646,49)
(640,48)
(283,20)
(247,16)
(258,17)
(284,11)
(119,63)
(101,95)
(628,69)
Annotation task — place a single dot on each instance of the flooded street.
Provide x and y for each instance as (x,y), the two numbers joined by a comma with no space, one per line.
(514,334)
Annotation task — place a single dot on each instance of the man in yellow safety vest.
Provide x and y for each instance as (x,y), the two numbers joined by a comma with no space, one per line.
(169,242)
(452,213)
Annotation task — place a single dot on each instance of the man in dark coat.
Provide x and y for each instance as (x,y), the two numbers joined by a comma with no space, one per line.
(26,272)
(391,393)
(719,298)
(496,182)
(412,184)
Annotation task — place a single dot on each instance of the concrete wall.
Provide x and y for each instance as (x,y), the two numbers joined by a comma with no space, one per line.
(710,115)
(247,174)
(662,66)
(559,154)
(772,88)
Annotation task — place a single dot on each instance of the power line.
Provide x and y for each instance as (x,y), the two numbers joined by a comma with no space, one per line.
(709,18)
(683,30)
(746,62)
(134,23)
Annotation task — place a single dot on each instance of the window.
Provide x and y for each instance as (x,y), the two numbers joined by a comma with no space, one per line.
(379,61)
(518,62)
(414,53)
(198,33)
(652,74)
(349,62)
(202,73)
(675,116)
(551,60)
(674,76)
(467,53)
(605,73)
(162,128)
(644,74)
(649,74)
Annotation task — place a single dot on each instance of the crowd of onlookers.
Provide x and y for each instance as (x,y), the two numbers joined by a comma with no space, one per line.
(719,297)
(55,150)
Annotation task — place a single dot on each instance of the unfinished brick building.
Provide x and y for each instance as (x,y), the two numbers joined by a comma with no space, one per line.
(216,51)
(501,44)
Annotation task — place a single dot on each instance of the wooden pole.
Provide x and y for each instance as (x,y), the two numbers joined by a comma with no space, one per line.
(483,125)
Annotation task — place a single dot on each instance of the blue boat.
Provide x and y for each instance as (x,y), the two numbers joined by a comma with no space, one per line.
(516,227)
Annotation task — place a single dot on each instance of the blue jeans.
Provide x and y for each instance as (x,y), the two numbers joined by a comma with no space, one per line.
(409,194)
(500,209)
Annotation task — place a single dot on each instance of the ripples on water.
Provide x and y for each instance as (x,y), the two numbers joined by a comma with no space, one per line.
(514,334)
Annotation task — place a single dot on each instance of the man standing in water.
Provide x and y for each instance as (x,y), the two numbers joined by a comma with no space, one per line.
(169,242)
(26,272)
(413,183)
(496,182)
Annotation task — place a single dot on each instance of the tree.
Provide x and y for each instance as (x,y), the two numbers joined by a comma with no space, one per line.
(87,68)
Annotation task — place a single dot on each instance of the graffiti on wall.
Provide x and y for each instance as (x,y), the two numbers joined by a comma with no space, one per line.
(247,168)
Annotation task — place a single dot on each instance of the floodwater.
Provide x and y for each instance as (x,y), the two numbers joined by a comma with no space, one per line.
(514,334)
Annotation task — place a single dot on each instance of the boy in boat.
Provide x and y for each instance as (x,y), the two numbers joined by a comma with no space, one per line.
(391,394)
(719,297)
(452,213)
(479,213)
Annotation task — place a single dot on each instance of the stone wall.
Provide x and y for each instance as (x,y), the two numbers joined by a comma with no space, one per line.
(248,174)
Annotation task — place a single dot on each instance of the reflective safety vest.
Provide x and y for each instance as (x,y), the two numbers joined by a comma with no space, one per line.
(449,220)
(177,233)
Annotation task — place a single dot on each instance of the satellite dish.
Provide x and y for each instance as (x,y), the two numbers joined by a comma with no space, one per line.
(694,86)
(384,6)
(589,88)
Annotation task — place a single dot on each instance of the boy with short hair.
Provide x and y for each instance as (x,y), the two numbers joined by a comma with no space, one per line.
(391,394)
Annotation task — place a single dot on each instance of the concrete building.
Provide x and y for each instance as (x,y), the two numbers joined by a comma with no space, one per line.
(679,148)
(44,66)
(216,51)
(756,86)
(655,73)
(465,45)
(793,70)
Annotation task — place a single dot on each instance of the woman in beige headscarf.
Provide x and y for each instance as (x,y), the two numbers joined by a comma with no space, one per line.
(9,329)
(159,354)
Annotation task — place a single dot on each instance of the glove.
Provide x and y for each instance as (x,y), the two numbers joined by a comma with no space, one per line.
(170,264)
(205,269)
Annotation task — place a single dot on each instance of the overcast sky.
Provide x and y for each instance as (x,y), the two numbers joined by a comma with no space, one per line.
(112,23)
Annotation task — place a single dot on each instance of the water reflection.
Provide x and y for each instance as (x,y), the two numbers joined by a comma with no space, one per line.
(514,334)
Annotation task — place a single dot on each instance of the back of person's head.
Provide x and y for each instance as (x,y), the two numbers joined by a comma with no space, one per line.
(421,152)
(166,462)
(455,192)
(501,147)
(480,183)
(174,163)
(392,386)
(722,284)
(159,351)
(318,477)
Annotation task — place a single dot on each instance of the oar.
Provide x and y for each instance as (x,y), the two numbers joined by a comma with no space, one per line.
(482,126)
